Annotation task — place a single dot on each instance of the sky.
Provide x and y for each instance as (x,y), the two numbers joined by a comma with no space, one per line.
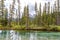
(25,2)
(31,4)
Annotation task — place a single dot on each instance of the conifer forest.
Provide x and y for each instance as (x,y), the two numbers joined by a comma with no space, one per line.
(47,18)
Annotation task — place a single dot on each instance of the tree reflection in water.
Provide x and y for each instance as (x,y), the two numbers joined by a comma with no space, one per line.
(34,35)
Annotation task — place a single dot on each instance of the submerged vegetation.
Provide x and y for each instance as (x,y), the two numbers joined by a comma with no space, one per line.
(48,19)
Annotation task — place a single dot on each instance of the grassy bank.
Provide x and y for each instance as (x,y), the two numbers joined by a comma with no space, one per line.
(41,28)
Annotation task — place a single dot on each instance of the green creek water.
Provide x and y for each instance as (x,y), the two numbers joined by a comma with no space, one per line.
(28,35)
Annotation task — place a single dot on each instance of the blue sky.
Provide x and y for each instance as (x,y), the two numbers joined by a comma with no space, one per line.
(31,4)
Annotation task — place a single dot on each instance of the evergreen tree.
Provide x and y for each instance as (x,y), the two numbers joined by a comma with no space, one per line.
(36,11)
(55,13)
(5,21)
(39,16)
(48,13)
(16,17)
(51,16)
(44,17)
(11,13)
(2,9)
(25,17)
(58,12)
(19,11)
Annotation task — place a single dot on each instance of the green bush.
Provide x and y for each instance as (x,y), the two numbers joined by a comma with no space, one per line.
(3,22)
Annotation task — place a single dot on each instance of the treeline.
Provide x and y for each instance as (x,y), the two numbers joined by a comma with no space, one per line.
(41,19)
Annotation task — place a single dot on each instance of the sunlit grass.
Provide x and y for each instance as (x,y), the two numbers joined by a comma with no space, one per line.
(14,26)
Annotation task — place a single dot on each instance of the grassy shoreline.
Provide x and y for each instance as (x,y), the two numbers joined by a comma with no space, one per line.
(34,29)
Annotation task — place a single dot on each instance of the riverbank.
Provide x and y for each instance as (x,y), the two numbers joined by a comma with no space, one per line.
(55,29)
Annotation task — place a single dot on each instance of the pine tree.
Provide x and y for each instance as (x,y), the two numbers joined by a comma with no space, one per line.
(10,18)
(51,16)
(44,15)
(25,17)
(2,9)
(58,12)
(11,13)
(19,11)
(16,17)
(39,16)
(48,13)
(5,21)
(55,13)
(36,11)
(6,14)
(12,9)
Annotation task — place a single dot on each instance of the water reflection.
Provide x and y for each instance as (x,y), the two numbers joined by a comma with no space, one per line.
(31,35)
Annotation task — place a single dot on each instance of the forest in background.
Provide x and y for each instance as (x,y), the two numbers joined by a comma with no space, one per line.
(49,18)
